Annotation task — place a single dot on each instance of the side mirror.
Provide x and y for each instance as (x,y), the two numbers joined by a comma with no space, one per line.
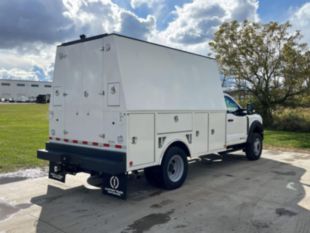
(250,108)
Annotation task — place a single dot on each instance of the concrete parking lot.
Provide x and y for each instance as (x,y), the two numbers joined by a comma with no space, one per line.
(221,194)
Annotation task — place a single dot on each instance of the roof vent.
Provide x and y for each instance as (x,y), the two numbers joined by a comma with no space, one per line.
(83,37)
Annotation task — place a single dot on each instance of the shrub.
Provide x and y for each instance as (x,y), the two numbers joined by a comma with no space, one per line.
(292,119)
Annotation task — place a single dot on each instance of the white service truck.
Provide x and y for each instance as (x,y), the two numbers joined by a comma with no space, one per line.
(120,105)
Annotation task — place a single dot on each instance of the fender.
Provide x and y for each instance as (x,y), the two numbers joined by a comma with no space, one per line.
(256,127)
(164,149)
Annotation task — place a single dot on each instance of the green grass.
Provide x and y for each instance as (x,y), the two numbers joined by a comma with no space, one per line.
(287,139)
(23,130)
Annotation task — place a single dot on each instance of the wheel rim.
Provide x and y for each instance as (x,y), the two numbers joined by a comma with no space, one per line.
(175,168)
(257,146)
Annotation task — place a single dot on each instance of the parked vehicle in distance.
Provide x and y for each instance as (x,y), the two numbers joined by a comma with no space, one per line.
(43,99)
(120,105)
(22,99)
(23,90)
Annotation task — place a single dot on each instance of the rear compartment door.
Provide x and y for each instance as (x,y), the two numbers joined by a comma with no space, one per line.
(56,118)
(141,139)
(84,92)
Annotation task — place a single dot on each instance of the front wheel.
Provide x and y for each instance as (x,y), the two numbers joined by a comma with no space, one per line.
(254,147)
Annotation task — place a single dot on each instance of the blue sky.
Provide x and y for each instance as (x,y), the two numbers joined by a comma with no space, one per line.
(278,10)
(31,29)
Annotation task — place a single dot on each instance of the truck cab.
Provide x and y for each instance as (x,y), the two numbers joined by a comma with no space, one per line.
(242,127)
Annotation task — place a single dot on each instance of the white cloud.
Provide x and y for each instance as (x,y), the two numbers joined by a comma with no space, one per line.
(92,16)
(196,22)
(301,21)
(244,9)
(32,21)
(32,57)
(34,62)
(104,16)
(136,27)
(149,3)
(17,73)
(155,7)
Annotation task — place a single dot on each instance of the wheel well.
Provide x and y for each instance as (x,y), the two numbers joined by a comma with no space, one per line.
(257,128)
(182,146)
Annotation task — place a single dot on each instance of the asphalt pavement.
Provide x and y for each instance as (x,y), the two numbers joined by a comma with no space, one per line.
(222,194)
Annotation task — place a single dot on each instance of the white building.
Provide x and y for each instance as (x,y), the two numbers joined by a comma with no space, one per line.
(23,90)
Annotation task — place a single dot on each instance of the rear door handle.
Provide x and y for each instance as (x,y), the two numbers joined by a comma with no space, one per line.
(230,120)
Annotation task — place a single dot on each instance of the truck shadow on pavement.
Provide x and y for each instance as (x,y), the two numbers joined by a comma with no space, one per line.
(221,194)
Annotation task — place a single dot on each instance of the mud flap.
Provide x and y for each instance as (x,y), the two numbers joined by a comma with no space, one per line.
(115,185)
(56,172)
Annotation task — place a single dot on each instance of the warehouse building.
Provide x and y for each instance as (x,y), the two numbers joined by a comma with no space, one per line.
(22,90)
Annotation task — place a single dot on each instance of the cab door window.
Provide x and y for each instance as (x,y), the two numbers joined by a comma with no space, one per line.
(231,105)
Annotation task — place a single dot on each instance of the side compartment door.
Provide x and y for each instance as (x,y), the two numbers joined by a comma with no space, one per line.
(141,139)
(200,134)
(217,130)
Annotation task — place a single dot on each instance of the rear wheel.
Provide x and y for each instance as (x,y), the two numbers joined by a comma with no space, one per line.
(172,172)
(174,168)
(95,180)
(254,147)
(152,175)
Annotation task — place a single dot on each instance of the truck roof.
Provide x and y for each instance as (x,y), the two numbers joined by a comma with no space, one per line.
(116,34)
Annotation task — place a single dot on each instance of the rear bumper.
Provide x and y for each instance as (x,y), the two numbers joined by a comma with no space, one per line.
(77,158)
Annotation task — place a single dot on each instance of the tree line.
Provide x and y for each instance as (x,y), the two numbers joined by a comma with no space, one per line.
(270,60)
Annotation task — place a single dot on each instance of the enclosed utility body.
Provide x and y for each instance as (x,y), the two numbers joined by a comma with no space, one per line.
(119,105)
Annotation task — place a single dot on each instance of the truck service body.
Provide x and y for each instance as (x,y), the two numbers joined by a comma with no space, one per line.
(120,105)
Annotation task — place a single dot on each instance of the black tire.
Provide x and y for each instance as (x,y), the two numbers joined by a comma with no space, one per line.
(254,146)
(95,180)
(153,176)
(173,169)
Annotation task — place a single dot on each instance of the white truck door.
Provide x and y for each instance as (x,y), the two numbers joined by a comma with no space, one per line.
(92,91)
(200,137)
(83,85)
(236,123)
(56,117)
(216,131)
(141,145)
